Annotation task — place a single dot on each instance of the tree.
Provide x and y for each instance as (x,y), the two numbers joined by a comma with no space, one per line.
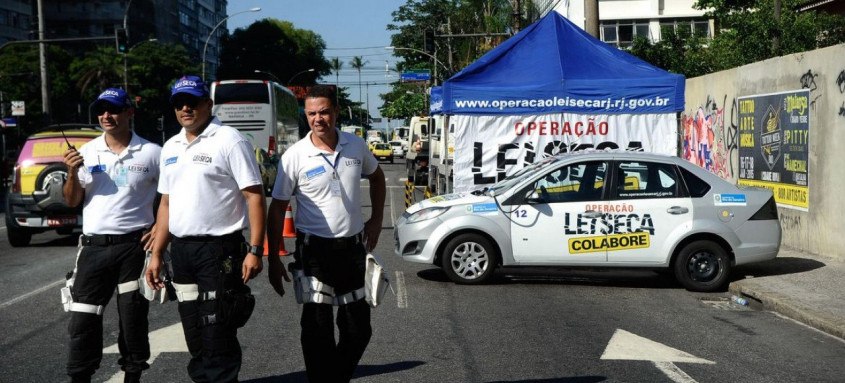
(273,46)
(153,67)
(20,80)
(357,63)
(404,101)
(445,17)
(336,65)
(745,33)
(95,71)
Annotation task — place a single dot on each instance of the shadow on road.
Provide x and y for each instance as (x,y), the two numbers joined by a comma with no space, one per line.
(577,379)
(777,266)
(569,276)
(363,370)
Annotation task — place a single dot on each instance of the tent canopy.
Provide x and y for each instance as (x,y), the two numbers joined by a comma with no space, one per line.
(553,66)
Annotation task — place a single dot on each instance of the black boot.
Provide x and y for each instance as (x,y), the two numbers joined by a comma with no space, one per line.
(133,377)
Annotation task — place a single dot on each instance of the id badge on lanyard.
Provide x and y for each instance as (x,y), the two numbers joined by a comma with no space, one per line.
(120,177)
(334,184)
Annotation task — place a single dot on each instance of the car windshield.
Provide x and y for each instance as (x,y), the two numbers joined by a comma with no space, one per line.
(382,146)
(520,175)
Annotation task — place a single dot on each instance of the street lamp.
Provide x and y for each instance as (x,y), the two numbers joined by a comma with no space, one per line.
(205,47)
(436,61)
(269,74)
(297,74)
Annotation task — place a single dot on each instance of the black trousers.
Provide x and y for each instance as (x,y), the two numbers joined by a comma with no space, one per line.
(214,264)
(340,265)
(99,270)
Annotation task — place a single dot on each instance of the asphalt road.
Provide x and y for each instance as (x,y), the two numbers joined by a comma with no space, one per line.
(530,325)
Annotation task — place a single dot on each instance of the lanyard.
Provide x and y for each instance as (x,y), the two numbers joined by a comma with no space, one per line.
(333,166)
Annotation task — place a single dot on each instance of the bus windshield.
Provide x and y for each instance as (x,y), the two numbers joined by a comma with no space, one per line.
(238,93)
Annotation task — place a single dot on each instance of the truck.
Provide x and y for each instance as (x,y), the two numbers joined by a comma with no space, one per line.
(442,148)
(417,155)
(356,130)
(374,136)
(402,134)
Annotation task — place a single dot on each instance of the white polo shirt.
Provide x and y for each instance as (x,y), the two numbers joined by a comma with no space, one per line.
(119,187)
(204,180)
(306,172)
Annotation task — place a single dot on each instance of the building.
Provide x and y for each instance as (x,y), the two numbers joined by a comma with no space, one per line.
(185,22)
(16,20)
(621,21)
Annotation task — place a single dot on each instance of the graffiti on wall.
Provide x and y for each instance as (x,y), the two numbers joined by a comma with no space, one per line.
(710,141)
(808,81)
(840,82)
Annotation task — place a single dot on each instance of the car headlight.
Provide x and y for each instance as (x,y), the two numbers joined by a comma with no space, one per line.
(427,213)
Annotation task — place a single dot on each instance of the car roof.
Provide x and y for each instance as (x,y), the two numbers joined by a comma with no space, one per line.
(73,130)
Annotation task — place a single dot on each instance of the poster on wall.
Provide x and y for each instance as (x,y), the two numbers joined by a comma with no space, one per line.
(774,142)
(489,148)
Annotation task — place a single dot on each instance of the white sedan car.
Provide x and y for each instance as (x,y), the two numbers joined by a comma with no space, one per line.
(596,209)
(398,150)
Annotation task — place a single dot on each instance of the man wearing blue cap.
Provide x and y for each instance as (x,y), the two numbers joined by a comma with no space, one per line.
(211,191)
(115,175)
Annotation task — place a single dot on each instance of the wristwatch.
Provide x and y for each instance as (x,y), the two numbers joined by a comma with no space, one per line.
(256,250)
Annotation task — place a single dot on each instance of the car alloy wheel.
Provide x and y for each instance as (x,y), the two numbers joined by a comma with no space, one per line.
(469,259)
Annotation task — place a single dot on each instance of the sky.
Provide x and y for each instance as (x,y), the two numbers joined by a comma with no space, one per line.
(349,28)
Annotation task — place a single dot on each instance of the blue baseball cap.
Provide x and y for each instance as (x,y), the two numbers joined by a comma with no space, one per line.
(193,85)
(114,96)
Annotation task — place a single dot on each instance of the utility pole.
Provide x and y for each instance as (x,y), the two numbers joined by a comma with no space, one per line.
(591,17)
(42,56)
(449,42)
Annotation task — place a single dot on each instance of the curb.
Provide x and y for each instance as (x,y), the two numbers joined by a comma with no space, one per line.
(790,308)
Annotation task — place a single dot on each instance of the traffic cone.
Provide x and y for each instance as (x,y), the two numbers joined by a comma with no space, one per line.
(288,230)
(282,250)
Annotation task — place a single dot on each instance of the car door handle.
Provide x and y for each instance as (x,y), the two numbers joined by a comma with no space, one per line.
(677,210)
(592,214)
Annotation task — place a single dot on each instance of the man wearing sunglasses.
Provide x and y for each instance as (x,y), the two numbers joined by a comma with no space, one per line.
(115,176)
(211,191)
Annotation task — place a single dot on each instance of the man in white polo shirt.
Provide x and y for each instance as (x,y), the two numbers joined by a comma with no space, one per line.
(211,191)
(323,171)
(115,175)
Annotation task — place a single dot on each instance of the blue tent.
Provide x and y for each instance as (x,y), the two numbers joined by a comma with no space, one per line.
(555,67)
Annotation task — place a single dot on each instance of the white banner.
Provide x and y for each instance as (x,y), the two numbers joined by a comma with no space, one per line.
(489,148)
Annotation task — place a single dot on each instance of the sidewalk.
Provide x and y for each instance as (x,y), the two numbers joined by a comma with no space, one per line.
(806,287)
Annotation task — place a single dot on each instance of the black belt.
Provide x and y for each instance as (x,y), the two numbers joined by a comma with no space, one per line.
(236,237)
(336,243)
(112,239)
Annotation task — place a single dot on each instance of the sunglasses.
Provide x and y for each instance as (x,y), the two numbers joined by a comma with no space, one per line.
(180,102)
(112,109)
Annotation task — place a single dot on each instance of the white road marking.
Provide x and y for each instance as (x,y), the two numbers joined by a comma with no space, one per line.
(401,291)
(390,202)
(167,339)
(674,373)
(34,292)
(624,345)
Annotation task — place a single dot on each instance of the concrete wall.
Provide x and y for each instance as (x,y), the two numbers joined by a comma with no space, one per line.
(712,99)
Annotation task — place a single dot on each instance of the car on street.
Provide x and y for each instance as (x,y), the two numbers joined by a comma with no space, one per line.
(267,166)
(596,209)
(382,151)
(35,203)
(398,150)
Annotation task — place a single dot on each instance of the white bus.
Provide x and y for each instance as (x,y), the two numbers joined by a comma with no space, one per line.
(263,111)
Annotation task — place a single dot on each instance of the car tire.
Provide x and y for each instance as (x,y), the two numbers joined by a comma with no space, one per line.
(469,259)
(702,266)
(18,237)
(391,160)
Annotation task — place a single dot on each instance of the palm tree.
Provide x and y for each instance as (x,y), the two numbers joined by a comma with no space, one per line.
(335,66)
(358,63)
(98,70)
